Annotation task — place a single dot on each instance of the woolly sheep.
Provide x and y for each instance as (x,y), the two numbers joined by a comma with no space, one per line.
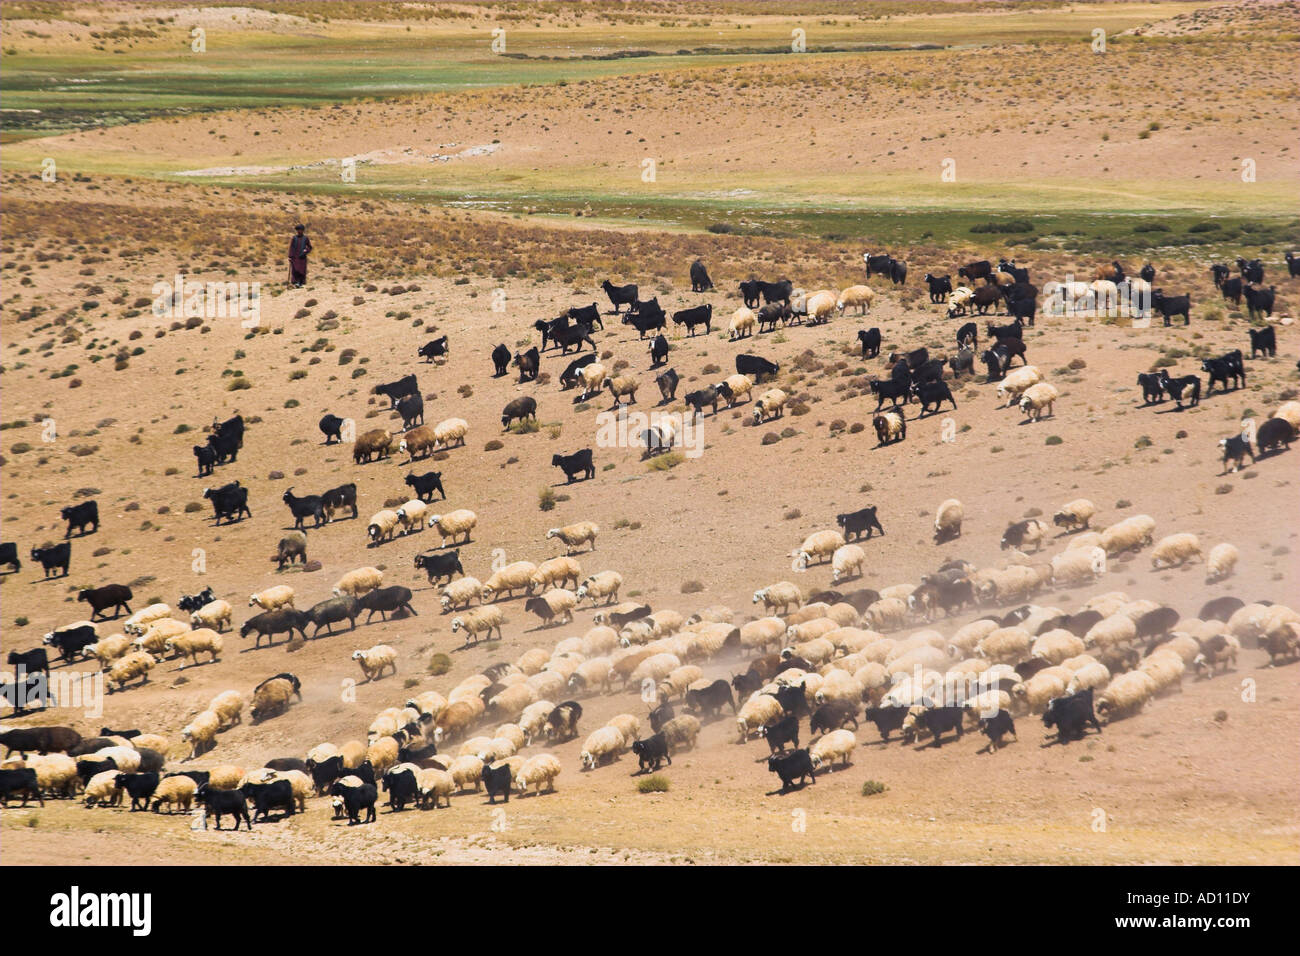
(849,639)
(128,668)
(771,404)
(1034,693)
(382,525)
(436,785)
(109,649)
(374,660)
(1128,535)
(454,524)
(226,776)
(575,535)
(175,793)
(56,774)
(1089,539)
(320,753)
(156,742)
(836,745)
(987,703)
(810,630)
(412,514)
(967,637)
(839,685)
(1221,563)
(1216,652)
(947,520)
(229,707)
(887,614)
(655,668)
(417,442)
(126,758)
(1094,675)
(511,578)
(382,754)
(281,595)
(270,698)
(1037,400)
(1165,668)
(924,657)
(155,637)
(552,681)
(555,573)
(104,789)
(1106,604)
(473,746)
(375,442)
(1056,646)
(558,606)
(1017,381)
(778,597)
(450,432)
(1109,631)
(1175,550)
(846,562)
(358,582)
(384,725)
(513,734)
(820,306)
(1006,645)
(1076,566)
(459,594)
(900,591)
(470,688)
(820,544)
(758,635)
(860,295)
(479,620)
(739,386)
(510,703)
(1075,514)
(466,770)
(215,615)
(533,720)
(743,321)
(137,622)
(191,645)
(677,681)
(201,732)
(621,386)
(681,732)
(592,377)
(538,770)
(599,639)
(1289,411)
(604,744)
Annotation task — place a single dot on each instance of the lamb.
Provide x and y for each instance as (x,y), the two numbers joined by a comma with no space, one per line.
(479,621)
(947,521)
(780,596)
(201,733)
(376,443)
(454,524)
(204,640)
(1006,645)
(759,710)
(375,660)
(175,792)
(1016,382)
(621,386)
(135,624)
(605,584)
(1076,566)
(1128,535)
(1110,631)
(1038,399)
(771,404)
(281,595)
(1175,550)
(1221,563)
(836,745)
(860,295)
(819,544)
(509,579)
(104,789)
(128,668)
(1056,646)
(461,593)
(555,573)
(382,525)
(411,515)
(538,770)
(742,324)
(270,698)
(575,535)
(229,708)
(1075,515)
(358,582)
(846,562)
(602,745)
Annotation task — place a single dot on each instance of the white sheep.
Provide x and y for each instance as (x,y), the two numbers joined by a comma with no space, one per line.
(137,622)
(967,637)
(126,758)
(1165,668)
(1094,675)
(1006,645)
(820,306)
(538,770)
(450,432)
(510,703)
(839,685)
(454,524)
(758,635)
(479,620)
(1056,646)
(743,321)
(1289,411)
(1037,400)
(412,515)
(109,649)
(459,594)
(1089,539)
(819,544)
(605,584)
(592,377)
(1075,515)
(1111,631)
(846,562)
(948,519)
(1221,563)
(513,577)
(575,535)
(655,668)
(56,774)
(836,745)
(757,711)
(555,573)
(778,597)
(229,708)
(887,614)
(1075,566)
(771,404)
(860,295)
(215,615)
(375,660)
(1034,693)
(104,789)
(1130,534)
(466,770)
(382,525)
(281,595)
(201,732)
(358,582)
(155,637)
(602,745)
(532,660)
(204,640)
(1175,550)
(174,792)
(738,386)
(128,668)
(1016,381)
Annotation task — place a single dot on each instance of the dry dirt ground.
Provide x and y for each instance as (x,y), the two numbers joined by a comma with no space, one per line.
(1207,775)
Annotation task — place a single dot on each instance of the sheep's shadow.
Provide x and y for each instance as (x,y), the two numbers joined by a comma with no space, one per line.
(795,788)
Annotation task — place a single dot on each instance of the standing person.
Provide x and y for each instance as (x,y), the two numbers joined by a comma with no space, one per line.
(299,247)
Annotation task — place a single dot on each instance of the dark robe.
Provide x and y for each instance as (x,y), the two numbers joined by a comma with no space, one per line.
(299,246)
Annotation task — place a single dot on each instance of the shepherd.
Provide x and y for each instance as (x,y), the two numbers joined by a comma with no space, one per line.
(299,247)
